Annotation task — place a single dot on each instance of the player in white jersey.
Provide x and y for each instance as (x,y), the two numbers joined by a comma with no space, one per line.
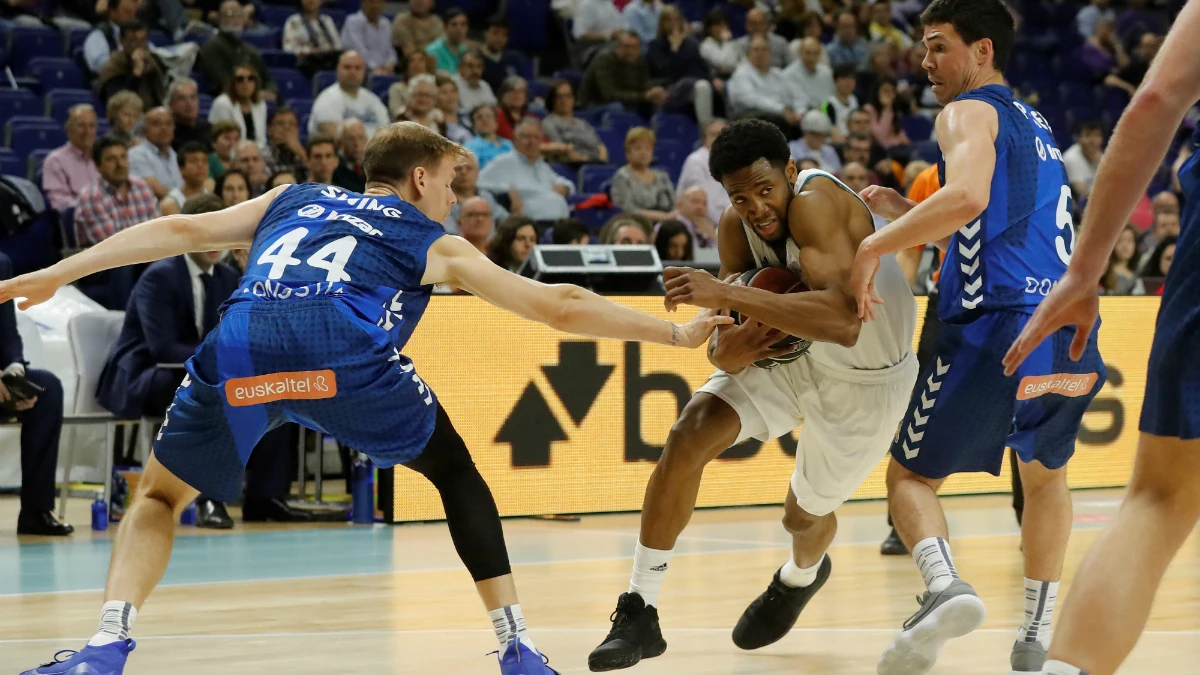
(850,390)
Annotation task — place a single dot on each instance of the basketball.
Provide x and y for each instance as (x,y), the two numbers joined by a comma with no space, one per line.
(775,280)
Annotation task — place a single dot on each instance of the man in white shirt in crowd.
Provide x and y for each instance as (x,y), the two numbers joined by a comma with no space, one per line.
(1083,158)
(695,173)
(473,90)
(812,79)
(369,33)
(347,98)
(814,144)
(543,192)
(154,160)
(761,89)
(757,26)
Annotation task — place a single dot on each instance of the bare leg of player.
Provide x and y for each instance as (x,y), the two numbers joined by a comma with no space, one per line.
(1044,537)
(142,547)
(497,592)
(950,608)
(811,535)
(1110,599)
(706,428)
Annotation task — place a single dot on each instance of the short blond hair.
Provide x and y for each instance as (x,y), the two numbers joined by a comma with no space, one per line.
(121,100)
(397,149)
(637,135)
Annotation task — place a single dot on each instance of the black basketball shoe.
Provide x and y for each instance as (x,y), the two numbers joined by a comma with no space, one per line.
(773,613)
(635,635)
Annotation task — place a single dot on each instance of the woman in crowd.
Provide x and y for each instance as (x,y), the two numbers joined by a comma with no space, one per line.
(1160,260)
(673,240)
(447,105)
(887,110)
(512,242)
(313,37)
(674,57)
(233,188)
(242,102)
(562,126)
(718,48)
(124,111)
(1120,278)
(514,105)
(638,188)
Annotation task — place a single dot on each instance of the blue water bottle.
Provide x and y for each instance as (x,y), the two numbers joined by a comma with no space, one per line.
(99,513)
(188,515)
(363,499)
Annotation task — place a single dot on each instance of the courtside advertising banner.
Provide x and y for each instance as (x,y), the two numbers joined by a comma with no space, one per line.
(560,424)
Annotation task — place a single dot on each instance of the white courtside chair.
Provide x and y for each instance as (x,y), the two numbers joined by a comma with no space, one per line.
(92,336)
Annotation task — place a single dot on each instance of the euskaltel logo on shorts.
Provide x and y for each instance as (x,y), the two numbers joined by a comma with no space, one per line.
(299,385)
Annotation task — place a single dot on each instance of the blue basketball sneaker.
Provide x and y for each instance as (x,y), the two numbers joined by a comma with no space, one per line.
(521,660)
(106,660)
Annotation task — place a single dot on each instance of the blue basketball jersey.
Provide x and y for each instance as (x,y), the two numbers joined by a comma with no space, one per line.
(1172,403)
(1019,247)
(322,241)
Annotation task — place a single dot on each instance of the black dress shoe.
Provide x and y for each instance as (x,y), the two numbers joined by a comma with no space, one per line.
(893,545)
(42,524)
(212,515)
(277,510)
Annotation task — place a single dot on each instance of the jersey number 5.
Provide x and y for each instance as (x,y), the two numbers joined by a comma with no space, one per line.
(332,257)
(1067,225)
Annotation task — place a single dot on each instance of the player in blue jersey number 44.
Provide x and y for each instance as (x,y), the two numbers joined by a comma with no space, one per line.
(335,284)
(1003,216)
(1110,598)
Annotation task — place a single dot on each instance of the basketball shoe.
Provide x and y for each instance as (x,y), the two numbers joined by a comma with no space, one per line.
(518,659)
(773,613)
(950,613)
(106,660)
(1027,658)
(635,635)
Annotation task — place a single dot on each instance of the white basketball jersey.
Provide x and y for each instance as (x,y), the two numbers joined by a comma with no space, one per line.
(883,342)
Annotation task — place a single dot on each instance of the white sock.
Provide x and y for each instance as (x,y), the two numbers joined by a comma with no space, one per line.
(799,577)
(1060,668)
(116,622)
(649,569)
(1040,597)
(936,564)
(509,624)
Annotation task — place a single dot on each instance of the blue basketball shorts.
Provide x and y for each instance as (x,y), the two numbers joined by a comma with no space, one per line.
(308,361)
(964,411)
(1172,403)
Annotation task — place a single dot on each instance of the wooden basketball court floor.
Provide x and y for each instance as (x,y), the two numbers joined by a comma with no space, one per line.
(344,599)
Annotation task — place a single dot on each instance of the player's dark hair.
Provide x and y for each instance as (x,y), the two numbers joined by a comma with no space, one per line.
(975,20)
(743,143)
(204,203)
(397,149)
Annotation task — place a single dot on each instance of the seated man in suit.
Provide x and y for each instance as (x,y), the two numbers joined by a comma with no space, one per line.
(173,306)
(41,421)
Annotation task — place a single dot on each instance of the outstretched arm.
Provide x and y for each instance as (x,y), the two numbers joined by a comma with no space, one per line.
(563,307)
(1138,145)
(156,239)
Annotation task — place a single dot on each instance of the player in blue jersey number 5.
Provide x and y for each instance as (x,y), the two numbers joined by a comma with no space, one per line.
(1003,216)
(335,284)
